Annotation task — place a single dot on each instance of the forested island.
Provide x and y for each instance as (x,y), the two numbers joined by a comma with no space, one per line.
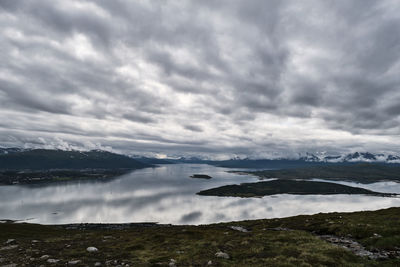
(274,187)
(200,176)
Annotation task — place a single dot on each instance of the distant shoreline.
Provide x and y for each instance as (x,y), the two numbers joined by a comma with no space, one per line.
(28,177)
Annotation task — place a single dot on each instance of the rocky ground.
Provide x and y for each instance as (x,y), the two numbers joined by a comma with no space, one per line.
(334,239)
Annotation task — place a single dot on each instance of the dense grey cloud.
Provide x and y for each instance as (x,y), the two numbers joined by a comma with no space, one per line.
(201,77)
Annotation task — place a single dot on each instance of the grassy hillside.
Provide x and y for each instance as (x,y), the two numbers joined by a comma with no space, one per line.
(294,241)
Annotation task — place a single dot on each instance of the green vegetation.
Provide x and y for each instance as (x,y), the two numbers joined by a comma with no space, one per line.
(201,176)
(293,241)
(362,173)
(35,177)
(287,187)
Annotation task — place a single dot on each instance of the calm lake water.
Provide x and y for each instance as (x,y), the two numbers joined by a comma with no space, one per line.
(166,194)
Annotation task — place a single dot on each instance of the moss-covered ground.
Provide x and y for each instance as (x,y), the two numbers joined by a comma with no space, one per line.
(292,241)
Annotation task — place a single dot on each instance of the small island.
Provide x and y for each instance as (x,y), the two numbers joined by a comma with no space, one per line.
(294,187)
(201,176)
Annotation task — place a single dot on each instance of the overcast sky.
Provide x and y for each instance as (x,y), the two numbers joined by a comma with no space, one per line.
(217,78)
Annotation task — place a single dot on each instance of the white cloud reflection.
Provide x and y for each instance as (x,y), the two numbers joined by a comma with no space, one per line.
(167,195)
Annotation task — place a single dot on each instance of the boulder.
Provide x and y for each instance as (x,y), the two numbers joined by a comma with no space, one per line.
(92,249)
(221,254)
(239,228)
(172,263)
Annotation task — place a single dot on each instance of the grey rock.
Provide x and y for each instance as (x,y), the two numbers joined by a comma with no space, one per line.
(92,249)
(221,254)
(9,247)
(172,263)
(52,261)
(377,235)
(355,247)
(239,228)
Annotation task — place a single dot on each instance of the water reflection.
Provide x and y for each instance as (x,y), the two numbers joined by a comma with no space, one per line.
(387,187)
(167,195)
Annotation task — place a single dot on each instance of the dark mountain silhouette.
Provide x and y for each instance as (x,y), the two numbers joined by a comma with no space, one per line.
(44,159)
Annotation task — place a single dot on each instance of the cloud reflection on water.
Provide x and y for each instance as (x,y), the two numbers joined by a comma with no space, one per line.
(167,195)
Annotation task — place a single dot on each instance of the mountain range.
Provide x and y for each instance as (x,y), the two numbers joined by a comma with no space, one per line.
(307,157)
(45,159)
(19,158)
(352,157)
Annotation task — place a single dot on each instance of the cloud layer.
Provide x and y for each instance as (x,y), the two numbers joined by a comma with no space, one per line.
(201,77)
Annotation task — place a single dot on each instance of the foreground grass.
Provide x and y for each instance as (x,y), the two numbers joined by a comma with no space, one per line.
(290,241)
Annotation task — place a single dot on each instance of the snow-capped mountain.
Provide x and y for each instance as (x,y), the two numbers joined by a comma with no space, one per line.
(310,157)
(352,157)
(305,157)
